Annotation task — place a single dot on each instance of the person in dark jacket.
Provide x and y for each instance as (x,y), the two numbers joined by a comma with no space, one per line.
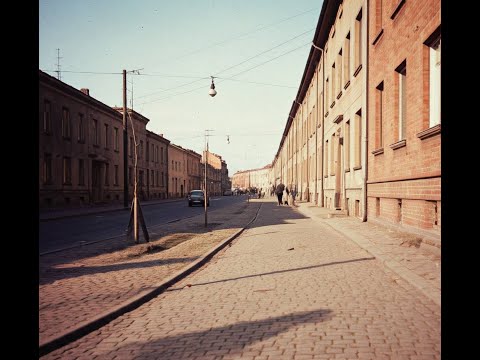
(279,192)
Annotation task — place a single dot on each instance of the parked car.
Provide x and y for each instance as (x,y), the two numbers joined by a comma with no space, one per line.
(227,193)
(197,197)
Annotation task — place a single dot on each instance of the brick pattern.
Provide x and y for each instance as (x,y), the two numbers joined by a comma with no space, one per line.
(403,39)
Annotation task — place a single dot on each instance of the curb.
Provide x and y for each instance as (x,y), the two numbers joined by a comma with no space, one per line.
(104,318)
(413,279)
(102,211)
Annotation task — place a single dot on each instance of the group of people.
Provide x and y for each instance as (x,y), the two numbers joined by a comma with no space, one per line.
(283,193)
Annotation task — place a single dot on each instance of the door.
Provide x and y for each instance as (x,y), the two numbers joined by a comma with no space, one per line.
(97,194)
(338,171)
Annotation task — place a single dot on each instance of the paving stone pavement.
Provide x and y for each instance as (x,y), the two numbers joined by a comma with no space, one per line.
(81,284)
(288,288)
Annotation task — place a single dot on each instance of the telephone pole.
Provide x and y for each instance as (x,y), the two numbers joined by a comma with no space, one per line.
(125,143)
(206,180)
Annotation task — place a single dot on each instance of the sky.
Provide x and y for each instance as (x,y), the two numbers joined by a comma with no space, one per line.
(256,50)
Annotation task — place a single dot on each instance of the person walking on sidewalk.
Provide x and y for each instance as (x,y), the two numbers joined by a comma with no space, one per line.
(279,192)
(293,192)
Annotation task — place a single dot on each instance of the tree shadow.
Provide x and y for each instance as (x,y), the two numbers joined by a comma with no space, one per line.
(228,339)
(52,273)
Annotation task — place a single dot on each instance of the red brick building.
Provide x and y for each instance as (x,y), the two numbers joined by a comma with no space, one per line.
(404,129)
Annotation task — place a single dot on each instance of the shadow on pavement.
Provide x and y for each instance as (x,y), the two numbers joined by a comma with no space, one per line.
(61,273)
(278,272)
(232,338)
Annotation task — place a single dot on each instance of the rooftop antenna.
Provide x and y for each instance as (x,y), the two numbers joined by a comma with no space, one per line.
(59,77)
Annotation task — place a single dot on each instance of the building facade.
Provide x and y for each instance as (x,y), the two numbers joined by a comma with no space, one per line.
(80,147)
(81,150)
(404,134)
(322,152)
(157,165)
(217,173)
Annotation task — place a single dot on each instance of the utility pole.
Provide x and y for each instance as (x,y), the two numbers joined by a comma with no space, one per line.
(125,143)
(205,197)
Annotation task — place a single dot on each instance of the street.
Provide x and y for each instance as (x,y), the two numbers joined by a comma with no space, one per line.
(62,233)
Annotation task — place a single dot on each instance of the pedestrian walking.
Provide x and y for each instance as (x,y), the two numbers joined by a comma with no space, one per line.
(279,192)
(293,192)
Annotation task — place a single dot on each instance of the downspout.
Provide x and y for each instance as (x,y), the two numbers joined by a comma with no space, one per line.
(316,136)
(364,217)
(323,110)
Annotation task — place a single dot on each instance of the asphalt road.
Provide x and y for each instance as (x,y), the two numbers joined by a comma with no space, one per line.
(67,232)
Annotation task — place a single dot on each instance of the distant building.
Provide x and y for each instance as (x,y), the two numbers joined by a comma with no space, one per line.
(254,178)
(184,170)
(217,173)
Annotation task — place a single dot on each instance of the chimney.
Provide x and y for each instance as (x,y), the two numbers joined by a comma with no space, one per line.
(85,91)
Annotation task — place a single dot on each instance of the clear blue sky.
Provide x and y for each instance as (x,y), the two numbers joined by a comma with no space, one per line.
(180,42)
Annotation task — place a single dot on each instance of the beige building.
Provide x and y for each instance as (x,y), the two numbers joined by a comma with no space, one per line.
(345,112)
(322,150)
(255,178)
(217,173)
(184,170)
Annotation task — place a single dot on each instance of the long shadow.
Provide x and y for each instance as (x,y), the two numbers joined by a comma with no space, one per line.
(52,273)
(278,272)
(231,339)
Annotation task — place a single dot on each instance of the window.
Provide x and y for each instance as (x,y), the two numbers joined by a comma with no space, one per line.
(81,172)
(347,146)
(115,139)
(67,171)
(379,116)
(141,149)
(173,166)
(327,94)
(106,136)
(162,178)
(435,82)
(378,16)
(334,80)
(81,129)
(161,154)
(131,146)
(95,132)
(402,99)
(66,131)
(153,178)
(115,178)
(325,162)
(346,61)
(339,73)
(47,117)
(157,178)
(358,42)
(147,150)
(332,155)
(107,174)
(154,154)
(47,169)
(358,139)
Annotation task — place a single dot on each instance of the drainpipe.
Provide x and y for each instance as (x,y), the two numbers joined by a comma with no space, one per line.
(322,113)
(364,217)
